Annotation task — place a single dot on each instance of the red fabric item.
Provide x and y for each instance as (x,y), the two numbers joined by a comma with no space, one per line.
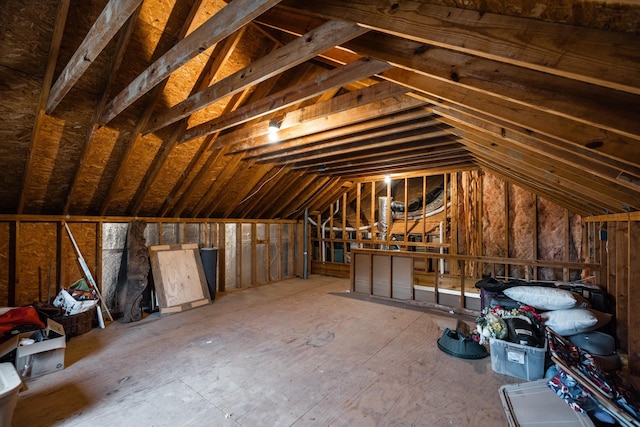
(19,316)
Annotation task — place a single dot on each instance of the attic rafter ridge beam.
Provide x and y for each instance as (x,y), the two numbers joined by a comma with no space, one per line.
(56,40)
(221,25)
(298,51)
(604,58)
(113,17)
(334,78)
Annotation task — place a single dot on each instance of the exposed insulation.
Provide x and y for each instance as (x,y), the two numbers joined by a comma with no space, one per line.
(493,224)
(522,226)
(551,237)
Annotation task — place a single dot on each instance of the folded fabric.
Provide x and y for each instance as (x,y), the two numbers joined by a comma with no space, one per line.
(19,316)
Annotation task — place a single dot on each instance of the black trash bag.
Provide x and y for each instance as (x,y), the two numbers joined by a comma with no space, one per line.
(522,332)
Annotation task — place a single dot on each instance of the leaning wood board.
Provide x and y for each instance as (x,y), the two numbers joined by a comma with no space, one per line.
(179,277)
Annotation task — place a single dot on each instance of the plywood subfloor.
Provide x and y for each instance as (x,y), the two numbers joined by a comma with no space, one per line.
(293,353)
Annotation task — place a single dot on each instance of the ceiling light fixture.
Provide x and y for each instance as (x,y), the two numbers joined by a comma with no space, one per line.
(274,127)
(387,179)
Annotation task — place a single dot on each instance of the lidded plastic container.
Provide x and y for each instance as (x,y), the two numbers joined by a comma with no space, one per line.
(9,387)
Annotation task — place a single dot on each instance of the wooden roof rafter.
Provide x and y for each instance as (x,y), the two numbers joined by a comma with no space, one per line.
(527,43)
(287,97)
(284,58)
(154,99)
(114,15)
(221,25)
(442,145)
(350,147)
(220,55)
(115,63)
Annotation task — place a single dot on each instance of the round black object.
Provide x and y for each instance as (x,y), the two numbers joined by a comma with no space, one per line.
(459,345)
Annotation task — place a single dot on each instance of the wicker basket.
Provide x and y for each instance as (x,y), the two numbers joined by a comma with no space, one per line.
(77,324)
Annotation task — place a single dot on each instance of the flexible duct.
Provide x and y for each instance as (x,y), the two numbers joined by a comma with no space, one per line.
(384,222)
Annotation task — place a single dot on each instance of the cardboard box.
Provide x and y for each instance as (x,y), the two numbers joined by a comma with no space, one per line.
(70,305)
(41,357)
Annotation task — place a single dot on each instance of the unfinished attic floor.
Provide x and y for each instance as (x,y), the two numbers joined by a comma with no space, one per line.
(293,353)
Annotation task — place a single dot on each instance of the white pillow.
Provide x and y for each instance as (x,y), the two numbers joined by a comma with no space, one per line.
(545,298)
(575,320)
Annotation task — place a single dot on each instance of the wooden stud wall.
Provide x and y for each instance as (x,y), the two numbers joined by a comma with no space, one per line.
(36,251)
(619,254)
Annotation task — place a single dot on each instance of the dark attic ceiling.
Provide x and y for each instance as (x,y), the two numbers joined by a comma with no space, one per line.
(161,108)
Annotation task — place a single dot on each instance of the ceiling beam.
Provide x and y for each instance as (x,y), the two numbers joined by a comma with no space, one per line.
(603,58)
(323,108)
(114,66)
(342,123)
(413,130)
(149,108)
(580,135)
(300,50)
(221,25)
(290,96)
(339,162)
(586,103)
(367,145)
(114,15)
(220,55)
(418,163)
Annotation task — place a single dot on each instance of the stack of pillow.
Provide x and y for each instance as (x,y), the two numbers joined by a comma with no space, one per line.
(566,312)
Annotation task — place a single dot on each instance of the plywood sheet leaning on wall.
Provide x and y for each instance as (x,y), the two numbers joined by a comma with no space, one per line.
(179,277)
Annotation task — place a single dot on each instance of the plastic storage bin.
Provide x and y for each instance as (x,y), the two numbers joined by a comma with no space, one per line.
(517,360)
(9,387)
(533,404)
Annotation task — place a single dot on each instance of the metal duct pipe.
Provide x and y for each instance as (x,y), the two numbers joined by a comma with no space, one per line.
(384,222)
(305,253)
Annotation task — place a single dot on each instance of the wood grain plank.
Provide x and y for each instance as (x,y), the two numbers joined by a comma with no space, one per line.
(228,20)
(594,56)
(303,48)
(113,17)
